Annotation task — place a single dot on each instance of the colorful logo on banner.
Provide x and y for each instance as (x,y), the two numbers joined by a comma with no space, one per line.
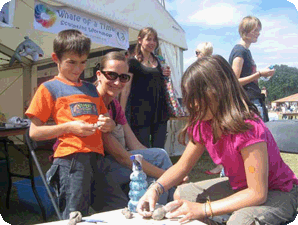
(55,19)
(45,16)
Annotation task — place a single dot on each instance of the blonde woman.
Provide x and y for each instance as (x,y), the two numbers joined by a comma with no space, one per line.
(204,49)
(245,67)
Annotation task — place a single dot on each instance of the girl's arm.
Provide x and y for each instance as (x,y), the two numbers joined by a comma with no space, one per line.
(237,66)
(173,176)
(177,172)
(125,92)
(131,140)
(122,156)
(255,158)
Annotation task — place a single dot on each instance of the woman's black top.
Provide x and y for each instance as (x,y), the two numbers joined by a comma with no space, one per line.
(147,96)
(249,67)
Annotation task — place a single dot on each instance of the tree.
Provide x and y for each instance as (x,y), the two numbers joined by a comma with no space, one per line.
(283,83)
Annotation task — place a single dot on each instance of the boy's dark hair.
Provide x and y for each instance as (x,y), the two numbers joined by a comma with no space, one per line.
(71,41)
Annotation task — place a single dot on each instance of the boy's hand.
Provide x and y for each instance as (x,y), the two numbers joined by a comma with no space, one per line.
(106,124)
(81,128)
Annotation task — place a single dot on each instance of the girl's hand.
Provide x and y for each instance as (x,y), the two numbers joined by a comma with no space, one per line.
(106,124)
(147,203)
(190,210)
(267,72)
(166,71)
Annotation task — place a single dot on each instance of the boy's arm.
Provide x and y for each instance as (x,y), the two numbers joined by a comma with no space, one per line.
(39,132)
(122,156)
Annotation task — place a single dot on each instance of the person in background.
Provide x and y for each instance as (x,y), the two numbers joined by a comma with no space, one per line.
(112,77)
(76,173)
(147,112)
(244,66)
(260,189)
(204,49)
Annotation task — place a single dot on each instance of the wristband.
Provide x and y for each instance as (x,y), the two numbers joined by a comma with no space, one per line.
(157,189)
(163,188)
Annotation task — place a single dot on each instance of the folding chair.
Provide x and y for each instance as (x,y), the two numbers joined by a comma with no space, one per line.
(32,146)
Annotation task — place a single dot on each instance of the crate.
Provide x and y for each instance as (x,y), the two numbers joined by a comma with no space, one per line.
(27,197)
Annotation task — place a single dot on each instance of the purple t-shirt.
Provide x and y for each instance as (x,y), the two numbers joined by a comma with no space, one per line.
(227,151)
(120,115)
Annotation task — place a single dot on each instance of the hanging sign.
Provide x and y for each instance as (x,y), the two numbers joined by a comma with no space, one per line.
(55,19)
(7,13)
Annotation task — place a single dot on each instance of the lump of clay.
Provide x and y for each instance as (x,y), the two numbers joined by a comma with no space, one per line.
(159,213)
(127,213)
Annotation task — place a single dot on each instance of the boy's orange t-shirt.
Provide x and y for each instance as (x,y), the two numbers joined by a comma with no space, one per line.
(65,101)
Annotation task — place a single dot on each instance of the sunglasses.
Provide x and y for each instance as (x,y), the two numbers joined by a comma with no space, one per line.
(110,75)
(197,53)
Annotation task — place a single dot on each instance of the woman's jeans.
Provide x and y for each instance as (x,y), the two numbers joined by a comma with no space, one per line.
(120,174)
(261,108)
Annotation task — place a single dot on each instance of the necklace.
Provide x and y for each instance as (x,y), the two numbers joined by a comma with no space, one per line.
(149,63)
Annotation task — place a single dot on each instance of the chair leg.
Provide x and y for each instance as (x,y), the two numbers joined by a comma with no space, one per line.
(8,174)
(46,185)
(43,212)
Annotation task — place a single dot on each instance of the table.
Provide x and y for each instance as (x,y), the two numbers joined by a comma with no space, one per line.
(285,133)
(116,217)
(174,125)
(4,134)
(290,115)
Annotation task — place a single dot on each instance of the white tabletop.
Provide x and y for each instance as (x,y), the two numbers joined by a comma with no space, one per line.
(116,217)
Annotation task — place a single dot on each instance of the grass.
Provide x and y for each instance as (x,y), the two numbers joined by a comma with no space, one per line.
(19,215)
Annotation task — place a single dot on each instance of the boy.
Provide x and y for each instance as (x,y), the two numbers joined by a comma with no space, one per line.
(75,106)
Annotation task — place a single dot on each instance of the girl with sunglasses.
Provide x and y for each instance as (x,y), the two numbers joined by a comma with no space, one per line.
(112,77)
(144,97)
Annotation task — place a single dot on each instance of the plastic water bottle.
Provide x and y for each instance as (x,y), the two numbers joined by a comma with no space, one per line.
(138,183)
(268,78)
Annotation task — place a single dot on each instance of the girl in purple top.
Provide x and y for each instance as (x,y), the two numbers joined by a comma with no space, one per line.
(259,188)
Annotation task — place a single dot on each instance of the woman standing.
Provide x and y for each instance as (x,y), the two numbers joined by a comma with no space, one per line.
(244,66)
(147,112)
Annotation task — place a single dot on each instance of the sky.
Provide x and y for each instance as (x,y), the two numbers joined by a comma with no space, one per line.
(217,21)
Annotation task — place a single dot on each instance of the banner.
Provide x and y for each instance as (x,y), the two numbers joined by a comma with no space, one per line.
(7,14)
(55,19)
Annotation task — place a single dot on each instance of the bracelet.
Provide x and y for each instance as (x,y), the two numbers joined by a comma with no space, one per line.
(157,189)
(259,74)
(205,207)
(163,188)
(209,204)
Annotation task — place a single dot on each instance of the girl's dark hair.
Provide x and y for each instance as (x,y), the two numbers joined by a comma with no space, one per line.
(142,34)
(119,56)
(211,80)
(71,41)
